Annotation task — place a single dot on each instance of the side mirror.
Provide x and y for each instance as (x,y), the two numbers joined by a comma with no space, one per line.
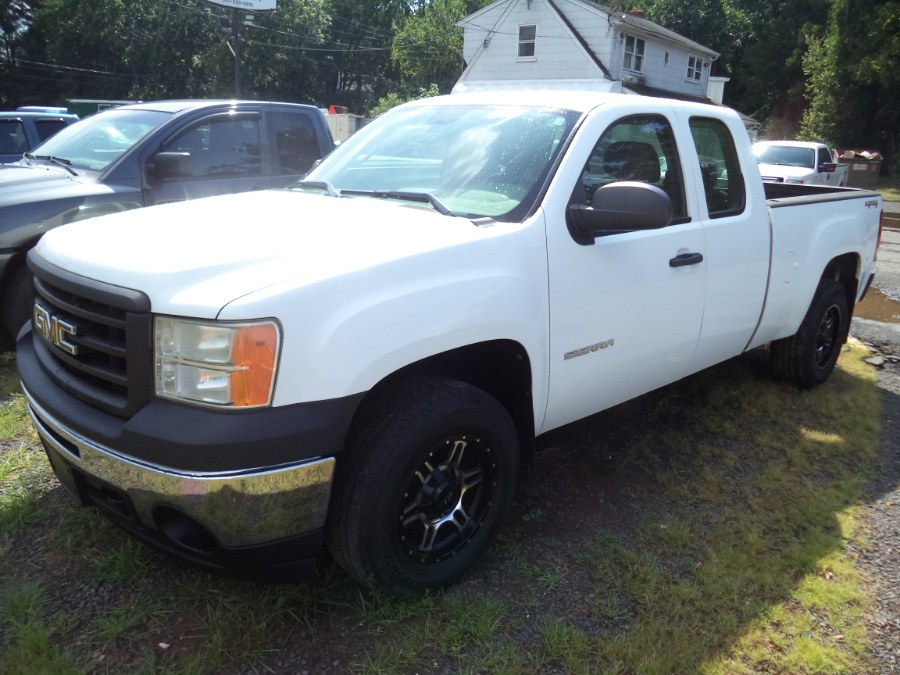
(171,165)
(619,207)
(827,167)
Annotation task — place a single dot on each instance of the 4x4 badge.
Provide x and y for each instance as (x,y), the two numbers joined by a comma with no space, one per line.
(54,330)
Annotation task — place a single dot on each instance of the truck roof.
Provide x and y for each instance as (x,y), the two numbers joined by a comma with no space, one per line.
(176,106)
(793,144)
(580,100)
(24,115)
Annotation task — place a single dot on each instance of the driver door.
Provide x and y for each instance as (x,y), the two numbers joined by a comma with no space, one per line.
(226,157)
(626,310)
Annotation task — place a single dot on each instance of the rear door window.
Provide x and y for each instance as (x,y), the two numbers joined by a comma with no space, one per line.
(720,169)
(296,144)
(46,128)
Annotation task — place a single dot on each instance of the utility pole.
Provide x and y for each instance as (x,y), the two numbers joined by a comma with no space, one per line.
(236,32)
(242,12)
(232,32)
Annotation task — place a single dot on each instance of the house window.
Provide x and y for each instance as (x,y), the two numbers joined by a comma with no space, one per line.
(695,67)
(634,53)
(527,36)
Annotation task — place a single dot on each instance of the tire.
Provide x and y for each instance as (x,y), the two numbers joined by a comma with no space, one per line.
(422,487)
(808,357)
(16,304)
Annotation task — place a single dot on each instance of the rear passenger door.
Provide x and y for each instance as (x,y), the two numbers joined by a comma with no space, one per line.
(296,144)
(736,247)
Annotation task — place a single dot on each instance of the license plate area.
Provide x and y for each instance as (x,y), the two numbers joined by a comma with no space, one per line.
(104,496)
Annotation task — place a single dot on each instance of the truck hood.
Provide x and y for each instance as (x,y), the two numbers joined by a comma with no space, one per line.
(23,183)
(193,258)
(786,172)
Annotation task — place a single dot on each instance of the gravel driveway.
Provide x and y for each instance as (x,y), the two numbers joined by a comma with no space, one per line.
(881,559)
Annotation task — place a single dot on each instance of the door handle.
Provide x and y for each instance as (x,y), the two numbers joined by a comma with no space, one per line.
(686,259)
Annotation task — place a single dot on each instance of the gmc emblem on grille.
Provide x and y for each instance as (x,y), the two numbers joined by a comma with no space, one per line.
(54,330)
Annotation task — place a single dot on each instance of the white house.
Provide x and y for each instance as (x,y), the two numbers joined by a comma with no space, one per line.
(584,42)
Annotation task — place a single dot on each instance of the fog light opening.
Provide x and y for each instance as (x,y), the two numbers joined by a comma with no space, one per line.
(184,530)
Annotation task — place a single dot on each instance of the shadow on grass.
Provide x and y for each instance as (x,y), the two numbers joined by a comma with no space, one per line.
(728,494)
(700,528)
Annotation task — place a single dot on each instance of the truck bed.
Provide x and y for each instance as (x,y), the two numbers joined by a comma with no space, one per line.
(811,223)
(777,193)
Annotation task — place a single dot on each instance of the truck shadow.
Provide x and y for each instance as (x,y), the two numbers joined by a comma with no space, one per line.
(666,529)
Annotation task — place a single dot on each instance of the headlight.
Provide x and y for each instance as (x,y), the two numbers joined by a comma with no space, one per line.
(216,364)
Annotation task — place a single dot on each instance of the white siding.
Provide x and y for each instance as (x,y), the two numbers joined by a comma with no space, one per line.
(491,47)
(477,27)
(594,27)
(557,53)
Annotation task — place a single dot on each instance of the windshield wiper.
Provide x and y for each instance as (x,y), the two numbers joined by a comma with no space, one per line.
(59,161)
(317,185)
(422,197)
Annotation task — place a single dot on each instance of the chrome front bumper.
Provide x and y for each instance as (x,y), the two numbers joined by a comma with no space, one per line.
(239,509)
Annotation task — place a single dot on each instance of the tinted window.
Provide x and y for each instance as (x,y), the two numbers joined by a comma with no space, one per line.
(723,183)
(46,128)
(295,141)
(221,147)
(640,148)
(12,138)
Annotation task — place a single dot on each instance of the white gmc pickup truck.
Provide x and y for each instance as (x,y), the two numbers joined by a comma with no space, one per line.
(362,362)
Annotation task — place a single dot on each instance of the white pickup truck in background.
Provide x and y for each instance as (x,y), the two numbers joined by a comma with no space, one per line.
(801,162)
(364,361)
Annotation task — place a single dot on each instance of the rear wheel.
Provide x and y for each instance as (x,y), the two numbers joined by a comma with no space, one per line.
(423,485)
(808,357)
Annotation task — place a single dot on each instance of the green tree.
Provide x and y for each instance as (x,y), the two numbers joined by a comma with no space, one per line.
(281,55)
(853,72)
(152,49)
(122,49)
(761,45)
(15,16)
(393,99)
(358,69)
(428,47)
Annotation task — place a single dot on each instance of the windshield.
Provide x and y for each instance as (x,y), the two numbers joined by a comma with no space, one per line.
(97,141)
(476,160)
(786,155)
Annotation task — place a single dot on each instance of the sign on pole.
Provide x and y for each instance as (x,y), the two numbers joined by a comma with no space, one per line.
(249,5)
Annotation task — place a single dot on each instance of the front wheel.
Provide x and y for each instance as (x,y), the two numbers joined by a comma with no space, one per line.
(808,357)
(422,487)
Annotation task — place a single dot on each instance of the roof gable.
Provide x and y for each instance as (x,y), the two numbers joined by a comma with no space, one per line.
(638,24)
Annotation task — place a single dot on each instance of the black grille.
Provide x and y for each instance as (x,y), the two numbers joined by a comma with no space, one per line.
(93,339)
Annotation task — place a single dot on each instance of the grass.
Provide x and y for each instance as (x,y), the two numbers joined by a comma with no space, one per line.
(717,540)
(889,189)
